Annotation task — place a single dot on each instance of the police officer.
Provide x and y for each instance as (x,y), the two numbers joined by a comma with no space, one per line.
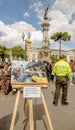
(62,72)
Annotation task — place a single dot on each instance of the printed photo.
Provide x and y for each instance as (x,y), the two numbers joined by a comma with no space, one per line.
(25,71)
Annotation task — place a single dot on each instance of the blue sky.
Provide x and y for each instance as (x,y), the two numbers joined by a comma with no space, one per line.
(18,16)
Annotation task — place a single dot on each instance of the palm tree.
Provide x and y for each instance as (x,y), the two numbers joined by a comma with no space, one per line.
(61,36)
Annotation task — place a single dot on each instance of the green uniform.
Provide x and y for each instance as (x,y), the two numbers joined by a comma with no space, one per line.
(62,72)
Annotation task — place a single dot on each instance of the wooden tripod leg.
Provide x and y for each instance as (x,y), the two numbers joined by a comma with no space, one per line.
(24,109)
(31,114)
(15,111)
(46,110)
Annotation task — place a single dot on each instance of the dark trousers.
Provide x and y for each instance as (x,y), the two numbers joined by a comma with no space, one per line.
(61,83)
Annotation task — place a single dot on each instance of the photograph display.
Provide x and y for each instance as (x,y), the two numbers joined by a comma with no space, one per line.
(26,71)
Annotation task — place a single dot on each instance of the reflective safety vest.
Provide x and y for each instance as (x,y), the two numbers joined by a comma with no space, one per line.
(62,68)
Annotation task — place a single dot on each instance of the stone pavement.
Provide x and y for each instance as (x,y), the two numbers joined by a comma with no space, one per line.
(62,117)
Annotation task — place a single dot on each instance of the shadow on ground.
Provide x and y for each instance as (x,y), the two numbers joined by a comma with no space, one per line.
(38,112)
(6,120)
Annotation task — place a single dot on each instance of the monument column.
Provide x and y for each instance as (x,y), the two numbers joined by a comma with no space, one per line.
(45,26)
(45,51)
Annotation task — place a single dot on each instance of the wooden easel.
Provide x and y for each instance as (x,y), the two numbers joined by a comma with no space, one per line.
(19,86)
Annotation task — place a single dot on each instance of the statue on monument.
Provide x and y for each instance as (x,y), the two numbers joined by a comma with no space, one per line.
(45,14)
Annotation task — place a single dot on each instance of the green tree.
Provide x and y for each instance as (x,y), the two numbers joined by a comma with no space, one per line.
(61,36)
(54,58)
(18,51)
(3,52)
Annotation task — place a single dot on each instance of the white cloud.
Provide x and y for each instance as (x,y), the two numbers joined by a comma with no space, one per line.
(12,34)
(57,15)
(65,6)
(36,5)
(4,29)
(38,8)
(37,38)
(8,33)
(22,26)
(59,22)
(26,14)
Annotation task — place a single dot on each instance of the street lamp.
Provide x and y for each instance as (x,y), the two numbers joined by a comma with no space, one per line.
(23,38)
(29,35)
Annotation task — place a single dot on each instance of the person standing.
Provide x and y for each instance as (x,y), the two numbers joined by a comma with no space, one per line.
(72,71)
(51,72)
(47,71)
(6,79)
(62,72)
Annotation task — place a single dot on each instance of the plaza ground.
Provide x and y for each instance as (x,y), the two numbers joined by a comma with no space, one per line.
(62,117)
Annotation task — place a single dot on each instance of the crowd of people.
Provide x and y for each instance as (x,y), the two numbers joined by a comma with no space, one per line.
(61,73)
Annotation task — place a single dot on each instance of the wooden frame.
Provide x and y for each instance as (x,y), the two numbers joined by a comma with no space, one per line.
(19,86)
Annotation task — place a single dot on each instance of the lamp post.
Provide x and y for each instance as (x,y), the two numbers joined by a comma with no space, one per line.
(23,38)
(29,35)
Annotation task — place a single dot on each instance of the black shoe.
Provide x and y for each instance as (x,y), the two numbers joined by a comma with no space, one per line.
(54,103)
(65,103)
(6,92)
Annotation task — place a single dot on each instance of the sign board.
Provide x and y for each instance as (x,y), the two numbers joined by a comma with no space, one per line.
(31,92)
